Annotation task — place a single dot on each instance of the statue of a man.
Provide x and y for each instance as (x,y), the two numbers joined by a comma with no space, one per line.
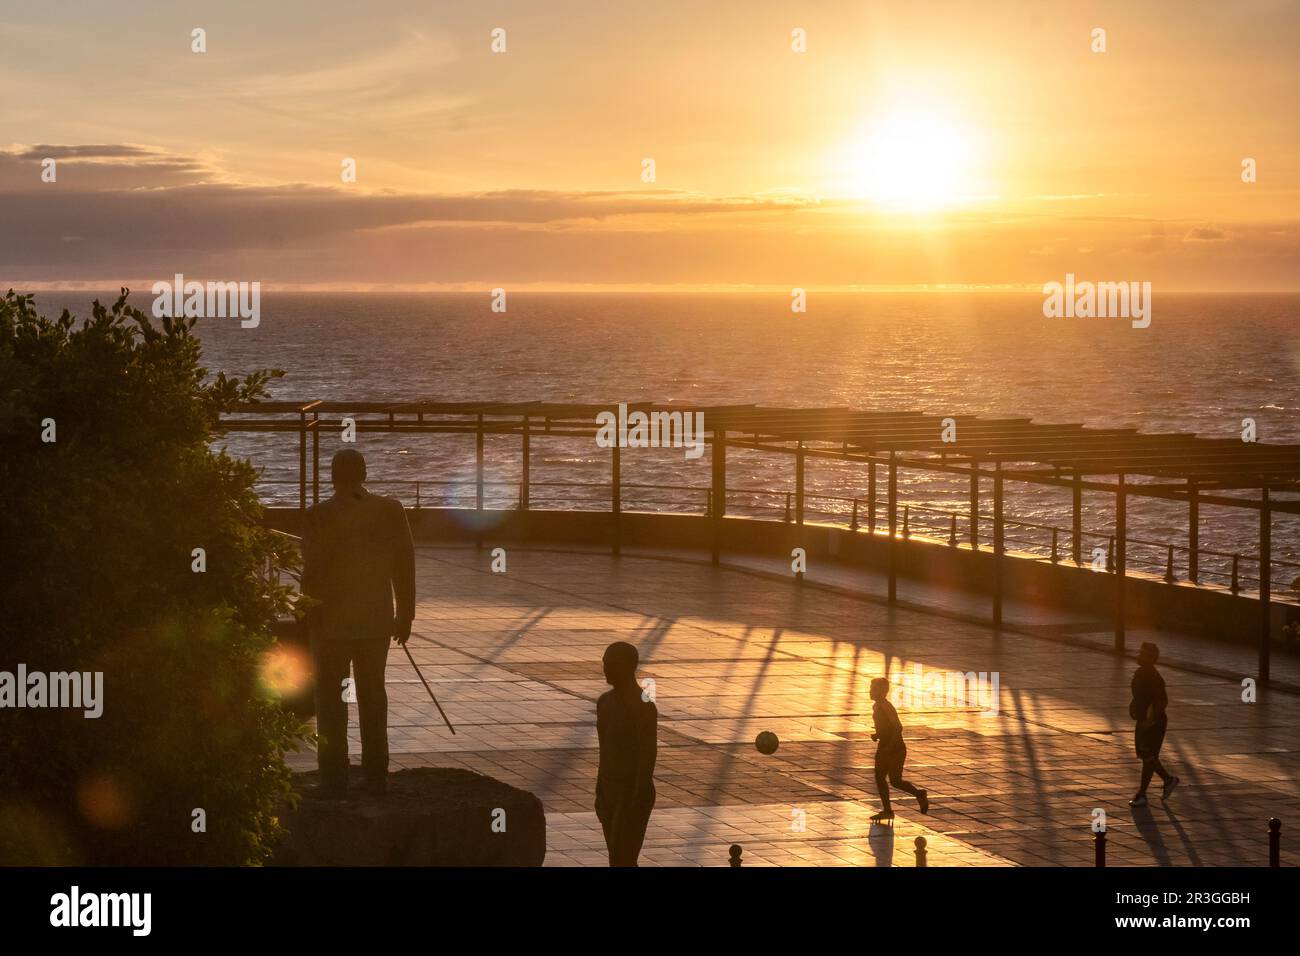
(357,555)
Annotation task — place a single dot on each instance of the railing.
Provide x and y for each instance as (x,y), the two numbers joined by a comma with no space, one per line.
(1054,543)
(281,564)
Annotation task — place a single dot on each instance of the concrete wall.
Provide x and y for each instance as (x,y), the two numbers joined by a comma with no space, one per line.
(1150,601)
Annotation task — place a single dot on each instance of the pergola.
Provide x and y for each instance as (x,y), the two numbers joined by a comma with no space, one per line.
(1122,462)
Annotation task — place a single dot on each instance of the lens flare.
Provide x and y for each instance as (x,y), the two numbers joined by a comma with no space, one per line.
(284,671)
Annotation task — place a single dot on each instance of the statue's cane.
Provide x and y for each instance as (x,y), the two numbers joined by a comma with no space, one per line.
(426,687)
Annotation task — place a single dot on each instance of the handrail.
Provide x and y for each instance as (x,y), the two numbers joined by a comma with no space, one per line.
(780,502)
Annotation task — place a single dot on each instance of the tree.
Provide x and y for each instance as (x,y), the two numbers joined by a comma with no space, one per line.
(97,574)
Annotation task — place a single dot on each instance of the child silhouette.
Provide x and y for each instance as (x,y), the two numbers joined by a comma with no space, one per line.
(627,725)
(891,752)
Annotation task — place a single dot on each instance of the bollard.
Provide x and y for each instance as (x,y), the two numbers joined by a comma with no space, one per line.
(920,851)
(1274,842)
(952,532)
(906,532)
(1236,582)
(1170,577)
(734,853)
(853,525)
(1099,847)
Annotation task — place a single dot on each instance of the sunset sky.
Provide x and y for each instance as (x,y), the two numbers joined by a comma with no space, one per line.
(912,144)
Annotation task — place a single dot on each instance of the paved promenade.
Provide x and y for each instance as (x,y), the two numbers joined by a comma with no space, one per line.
(515,661)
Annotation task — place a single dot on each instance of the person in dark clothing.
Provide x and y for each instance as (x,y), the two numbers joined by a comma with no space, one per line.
(628,728)
(357,553)
(1148,709)
(891,752)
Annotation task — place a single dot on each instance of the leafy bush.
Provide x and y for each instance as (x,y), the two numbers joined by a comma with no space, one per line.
(96,539)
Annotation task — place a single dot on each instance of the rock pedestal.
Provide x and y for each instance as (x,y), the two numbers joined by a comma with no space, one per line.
(431,816)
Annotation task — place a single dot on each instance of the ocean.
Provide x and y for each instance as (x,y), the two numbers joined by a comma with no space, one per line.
(1205,363)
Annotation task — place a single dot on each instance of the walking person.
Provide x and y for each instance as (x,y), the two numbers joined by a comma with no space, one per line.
(1148,709)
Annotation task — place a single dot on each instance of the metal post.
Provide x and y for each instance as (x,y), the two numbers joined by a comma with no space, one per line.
(719,496)
(616,495)
(871,497)
(798,501)
(525,478)
(1265,582)
(853,525)
(315,458)
(892,498)
(907,528)
(1056,556)
(798,485)
(478,483)
(920,851)
(974,505)
(302,461)
(1076,519)
(478,465)
(1193,533)
(998,543)
(1121,558)
(1170,577)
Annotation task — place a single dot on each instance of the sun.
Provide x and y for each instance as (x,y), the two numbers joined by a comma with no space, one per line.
(914,160)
